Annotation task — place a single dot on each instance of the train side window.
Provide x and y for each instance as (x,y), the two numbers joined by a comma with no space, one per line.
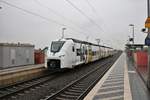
(78,52)
(92,53)
(86,52)
(73,48)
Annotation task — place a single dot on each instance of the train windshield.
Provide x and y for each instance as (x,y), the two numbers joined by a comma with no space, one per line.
(56,46)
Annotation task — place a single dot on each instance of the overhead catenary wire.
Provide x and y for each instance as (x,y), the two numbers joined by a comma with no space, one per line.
(80,11)
(32,13)
(40,16)
(95,11)
(58,14)
(51,10)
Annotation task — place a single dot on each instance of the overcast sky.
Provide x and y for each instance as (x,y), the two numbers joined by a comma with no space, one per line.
(40,21)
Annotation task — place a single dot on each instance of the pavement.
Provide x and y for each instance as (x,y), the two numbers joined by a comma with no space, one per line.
(121,82)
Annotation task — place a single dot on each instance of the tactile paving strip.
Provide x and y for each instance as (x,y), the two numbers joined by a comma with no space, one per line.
(113,87)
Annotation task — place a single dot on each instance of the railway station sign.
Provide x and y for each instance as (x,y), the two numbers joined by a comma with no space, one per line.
(147,23)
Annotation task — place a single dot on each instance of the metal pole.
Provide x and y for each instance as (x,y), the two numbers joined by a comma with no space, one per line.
(63,29)
(148,14)
(87,38)
(148,8)
(148,36)
(133,33)
(98,41)
(132,25)
(62,34)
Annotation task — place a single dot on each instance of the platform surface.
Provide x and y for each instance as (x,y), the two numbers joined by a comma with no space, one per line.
(121,82)
(20,68)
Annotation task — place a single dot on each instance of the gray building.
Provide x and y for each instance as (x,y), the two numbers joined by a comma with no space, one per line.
(16,54)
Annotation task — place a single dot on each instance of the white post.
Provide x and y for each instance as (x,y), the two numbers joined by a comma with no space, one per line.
(148,35)
(63,29)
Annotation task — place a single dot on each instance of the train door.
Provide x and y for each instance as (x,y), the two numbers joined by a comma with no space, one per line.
(82,55)
(86,53)
(73,55)
(100,53)
(89,53)
(78,53)
(104,52)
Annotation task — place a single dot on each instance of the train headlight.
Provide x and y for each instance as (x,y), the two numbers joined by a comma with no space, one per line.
(61,56)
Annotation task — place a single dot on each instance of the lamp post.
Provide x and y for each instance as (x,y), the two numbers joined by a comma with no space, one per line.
(147,42)
(147,25)
(63,29)
(87,38)
(98,41)
(132,25)
(148,8)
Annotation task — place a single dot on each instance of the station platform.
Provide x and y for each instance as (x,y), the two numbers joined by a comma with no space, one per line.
(17,74)
(121,82)
(20,68)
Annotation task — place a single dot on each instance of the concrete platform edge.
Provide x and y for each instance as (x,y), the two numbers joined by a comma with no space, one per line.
(93,92)
(127,89)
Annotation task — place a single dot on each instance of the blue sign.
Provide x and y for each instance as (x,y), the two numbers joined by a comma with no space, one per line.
(147,41)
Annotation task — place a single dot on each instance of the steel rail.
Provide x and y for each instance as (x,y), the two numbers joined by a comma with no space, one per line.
(81,91)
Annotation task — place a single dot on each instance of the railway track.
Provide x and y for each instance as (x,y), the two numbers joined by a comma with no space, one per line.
(82,85)
(10,90)
(78,89)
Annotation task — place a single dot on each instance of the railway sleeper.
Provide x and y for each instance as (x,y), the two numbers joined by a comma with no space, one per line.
(76,88)
(61,98)
(13,97)
(1,92)
(81,84)
(5,92)
(11,89)
(72,90)
(68,96)
(72,93)
(14,87)
(21,86)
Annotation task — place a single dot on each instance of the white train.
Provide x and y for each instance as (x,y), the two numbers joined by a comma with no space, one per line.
(69,52)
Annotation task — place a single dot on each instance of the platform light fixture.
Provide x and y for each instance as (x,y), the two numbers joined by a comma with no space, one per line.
(132,25)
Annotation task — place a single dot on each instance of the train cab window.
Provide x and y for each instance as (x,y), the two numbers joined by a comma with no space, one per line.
(73,48)
(56,46)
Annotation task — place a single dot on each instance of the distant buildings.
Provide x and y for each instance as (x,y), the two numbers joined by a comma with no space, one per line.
(16,54)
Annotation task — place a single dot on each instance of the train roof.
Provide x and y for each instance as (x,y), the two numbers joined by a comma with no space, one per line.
(78,41)
(85,42)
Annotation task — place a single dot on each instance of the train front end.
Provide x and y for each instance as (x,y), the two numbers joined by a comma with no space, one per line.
(56,55)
